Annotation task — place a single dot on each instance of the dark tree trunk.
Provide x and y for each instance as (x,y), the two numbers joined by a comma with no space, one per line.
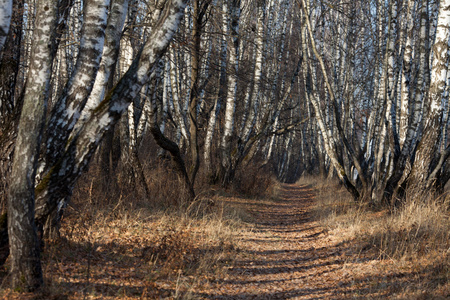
(108,162)
(10,104)
(173,149)
(199,13)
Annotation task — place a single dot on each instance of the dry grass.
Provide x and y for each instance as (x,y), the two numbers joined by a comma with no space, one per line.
(410,246)
(125,247)
(256,182)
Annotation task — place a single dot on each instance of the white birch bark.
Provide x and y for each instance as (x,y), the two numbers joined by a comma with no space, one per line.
(113,34)
(409,126)
(246,125)
(68,108)
(232,13)
(26,268)
(406,74)
(150,91)
(251,119)
(210,133)
(143,119)
(256,96)
(78,152)
(330,147)
(174,84)
(421,173)
(206,43)
(421,85)
(380,174)
(282,19)
(445,117)
(377,111)
(434,10)
(74,35)
(217,102)
(166,95)
(271,143)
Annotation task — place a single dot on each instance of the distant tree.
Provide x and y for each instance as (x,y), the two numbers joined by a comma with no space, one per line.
(400,140)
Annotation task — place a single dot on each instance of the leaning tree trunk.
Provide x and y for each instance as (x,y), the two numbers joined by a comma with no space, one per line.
(59,180)
(329,143)
(168,145)
(104,82)
(68,108)
(408,131)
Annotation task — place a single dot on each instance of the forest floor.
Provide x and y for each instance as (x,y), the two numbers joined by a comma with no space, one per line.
(280,251)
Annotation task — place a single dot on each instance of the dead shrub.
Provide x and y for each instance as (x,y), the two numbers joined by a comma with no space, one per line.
(255,181)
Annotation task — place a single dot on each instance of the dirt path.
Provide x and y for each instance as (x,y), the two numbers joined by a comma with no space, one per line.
(287,256)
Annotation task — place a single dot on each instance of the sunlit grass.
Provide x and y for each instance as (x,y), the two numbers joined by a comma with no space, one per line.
(411,242)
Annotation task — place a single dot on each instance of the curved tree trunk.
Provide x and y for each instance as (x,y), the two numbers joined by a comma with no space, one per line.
(59,179)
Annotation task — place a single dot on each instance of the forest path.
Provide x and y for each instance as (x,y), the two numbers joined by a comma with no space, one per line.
(287,256)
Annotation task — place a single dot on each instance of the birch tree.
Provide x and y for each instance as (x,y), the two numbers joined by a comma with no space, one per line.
(429,160)
(199,10)
(232,13)
(69,146)
(82,144)
(399,112)
(10,99)
(26,269)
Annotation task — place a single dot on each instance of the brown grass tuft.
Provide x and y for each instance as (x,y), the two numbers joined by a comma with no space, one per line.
(412,244)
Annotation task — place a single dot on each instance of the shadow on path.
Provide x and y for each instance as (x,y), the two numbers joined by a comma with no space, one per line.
(288,255)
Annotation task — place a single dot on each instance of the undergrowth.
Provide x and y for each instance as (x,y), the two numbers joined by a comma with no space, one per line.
(118,244)
(256,182)
(411,243)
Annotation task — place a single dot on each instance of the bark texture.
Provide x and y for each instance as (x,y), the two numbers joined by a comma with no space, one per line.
(26,271)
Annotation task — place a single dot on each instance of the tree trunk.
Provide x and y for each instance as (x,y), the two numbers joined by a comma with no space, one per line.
(232,13)
(150,109)
(26,271)
(58,181)
(10,98)
(194,91)
(423,173)
(328,142)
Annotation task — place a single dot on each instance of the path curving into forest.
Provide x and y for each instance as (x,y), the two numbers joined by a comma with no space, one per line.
(287,256)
